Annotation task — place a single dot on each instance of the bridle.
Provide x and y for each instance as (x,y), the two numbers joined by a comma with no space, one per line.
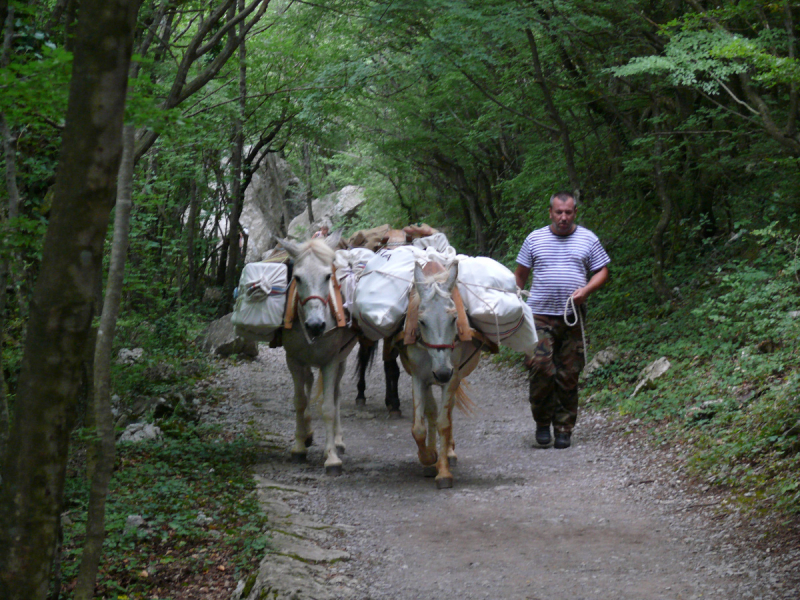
(320,298)
(436,346)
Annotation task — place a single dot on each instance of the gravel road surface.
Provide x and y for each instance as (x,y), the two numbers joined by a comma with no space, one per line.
(610,517)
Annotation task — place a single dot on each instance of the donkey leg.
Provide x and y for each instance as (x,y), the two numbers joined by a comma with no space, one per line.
(337,423)
(364,352)
(309,379)
(302,431)
(391,372)
(419,428)
(329,374)
(444,426)
(451,445)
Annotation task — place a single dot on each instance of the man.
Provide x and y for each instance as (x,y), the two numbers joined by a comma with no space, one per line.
(323,232)
(567,261)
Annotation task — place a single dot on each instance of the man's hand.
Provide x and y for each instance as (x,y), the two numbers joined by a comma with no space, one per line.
(580,296)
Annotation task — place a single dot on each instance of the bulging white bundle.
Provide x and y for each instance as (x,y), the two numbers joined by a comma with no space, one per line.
(380,302)
(349,266)
(437,241)
(493,305)
(261,301)
(524,339)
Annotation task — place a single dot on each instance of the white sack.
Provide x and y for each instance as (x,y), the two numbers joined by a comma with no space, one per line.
(437,241)
(261,301)
(349,266)
(380,301)
(489,292)
(524,339)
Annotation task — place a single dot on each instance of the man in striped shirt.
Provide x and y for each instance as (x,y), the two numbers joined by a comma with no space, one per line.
(568,264)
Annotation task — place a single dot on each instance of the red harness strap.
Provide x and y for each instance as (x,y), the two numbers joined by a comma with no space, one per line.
(436,346)
(320,298)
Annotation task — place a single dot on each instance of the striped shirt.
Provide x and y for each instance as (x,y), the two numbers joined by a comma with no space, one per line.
(560,265)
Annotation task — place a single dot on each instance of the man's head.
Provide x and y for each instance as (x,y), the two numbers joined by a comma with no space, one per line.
(563,210)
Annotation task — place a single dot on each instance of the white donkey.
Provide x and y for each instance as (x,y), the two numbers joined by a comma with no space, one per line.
(314,340)
(437,358)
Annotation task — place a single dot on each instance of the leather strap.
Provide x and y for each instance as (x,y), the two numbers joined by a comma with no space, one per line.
(337,306)
(462,322)
(412,318)
(291,305)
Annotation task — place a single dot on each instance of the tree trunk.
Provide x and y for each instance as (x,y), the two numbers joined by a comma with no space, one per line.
(566,142)
(32,495)
(657,241)
(10,155)
(237,192)
(309,191)
(103,419)
(191,234)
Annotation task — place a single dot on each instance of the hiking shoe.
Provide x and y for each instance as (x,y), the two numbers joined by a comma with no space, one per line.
(562,440)
(543,435)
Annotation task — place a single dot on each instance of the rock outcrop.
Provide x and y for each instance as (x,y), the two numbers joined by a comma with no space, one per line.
(333,207)
(273,196)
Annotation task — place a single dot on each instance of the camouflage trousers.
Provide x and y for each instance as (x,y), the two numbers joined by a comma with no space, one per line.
(556,366)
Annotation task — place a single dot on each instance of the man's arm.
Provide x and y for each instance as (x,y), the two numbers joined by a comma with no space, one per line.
(521,275)
(581,295)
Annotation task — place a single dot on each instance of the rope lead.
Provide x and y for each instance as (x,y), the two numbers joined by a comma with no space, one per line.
(570,305)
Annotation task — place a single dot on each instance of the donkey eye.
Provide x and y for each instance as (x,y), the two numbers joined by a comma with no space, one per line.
(328,277)
(297,279)
(421,323)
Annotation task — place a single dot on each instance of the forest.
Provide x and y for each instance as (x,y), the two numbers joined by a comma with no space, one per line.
(132,129)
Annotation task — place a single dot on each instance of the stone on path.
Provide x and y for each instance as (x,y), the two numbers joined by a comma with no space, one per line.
(601,359)
(139,432)
(652,372)
(297,565)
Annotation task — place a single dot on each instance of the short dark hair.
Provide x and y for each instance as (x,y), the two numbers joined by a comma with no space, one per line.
(563,197)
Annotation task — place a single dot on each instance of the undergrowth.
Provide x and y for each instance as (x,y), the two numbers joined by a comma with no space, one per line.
(731,332)
(200,515)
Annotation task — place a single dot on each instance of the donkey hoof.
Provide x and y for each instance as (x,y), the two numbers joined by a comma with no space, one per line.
(333,470)
(361,401)
(310,440)
(444,483)
(298,457)
(395,414)
(429,471)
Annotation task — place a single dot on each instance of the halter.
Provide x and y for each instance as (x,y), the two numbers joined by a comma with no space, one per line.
(436,346)
(320,298)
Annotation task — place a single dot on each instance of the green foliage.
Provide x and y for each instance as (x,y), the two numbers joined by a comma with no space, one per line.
(197,497)
(732,396)
(697,59)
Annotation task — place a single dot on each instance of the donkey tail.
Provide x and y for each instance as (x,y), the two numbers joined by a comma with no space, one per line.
(316,395)
(463,402)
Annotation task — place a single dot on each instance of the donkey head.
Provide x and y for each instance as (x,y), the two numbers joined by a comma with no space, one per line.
(437,316)
(312,273)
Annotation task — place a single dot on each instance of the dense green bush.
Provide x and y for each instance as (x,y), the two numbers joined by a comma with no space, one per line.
(732,335)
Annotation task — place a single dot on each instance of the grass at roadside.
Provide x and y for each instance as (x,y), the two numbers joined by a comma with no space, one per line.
(731,332)
(202,526)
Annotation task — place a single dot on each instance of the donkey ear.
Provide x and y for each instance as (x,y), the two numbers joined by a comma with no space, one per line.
(419,277)
(291,247)
(452,276)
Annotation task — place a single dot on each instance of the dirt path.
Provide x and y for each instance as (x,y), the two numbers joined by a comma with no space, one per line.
(607,518)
